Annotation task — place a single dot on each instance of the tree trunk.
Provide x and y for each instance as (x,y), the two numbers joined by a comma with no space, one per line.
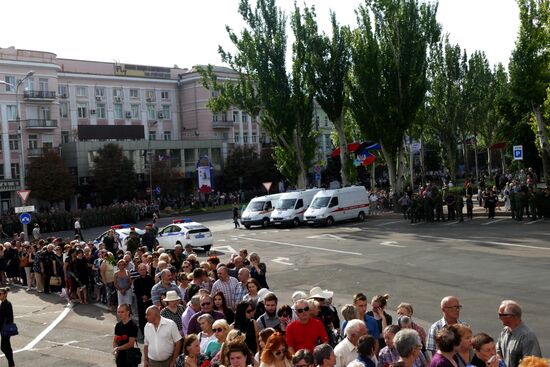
(390,162)
(422,164)
(343,143)
(543,141)
(475,156)
(489,163)
(301,177)
(451,160)
(466,163)
(373,175)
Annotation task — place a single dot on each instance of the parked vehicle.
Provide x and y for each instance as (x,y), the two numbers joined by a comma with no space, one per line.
(330,206)
(258,211)
(291,206)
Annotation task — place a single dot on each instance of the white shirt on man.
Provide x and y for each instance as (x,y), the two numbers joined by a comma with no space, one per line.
(162,340)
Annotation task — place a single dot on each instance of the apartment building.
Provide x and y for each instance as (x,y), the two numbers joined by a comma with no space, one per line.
(78,106)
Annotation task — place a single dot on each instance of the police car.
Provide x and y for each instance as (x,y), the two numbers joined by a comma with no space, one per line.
(122,232)
(183,232)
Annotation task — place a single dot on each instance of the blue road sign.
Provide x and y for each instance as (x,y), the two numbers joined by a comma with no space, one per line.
(518,152)
(25,218)
(157,190)
(317,177)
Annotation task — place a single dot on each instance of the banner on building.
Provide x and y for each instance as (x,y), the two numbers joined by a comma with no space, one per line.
(204,175)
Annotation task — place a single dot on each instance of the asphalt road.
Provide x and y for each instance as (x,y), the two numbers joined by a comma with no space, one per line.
(482,262)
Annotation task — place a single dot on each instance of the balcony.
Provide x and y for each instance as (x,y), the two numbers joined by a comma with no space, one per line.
(41,124)
(222,124)
(39,95)
(35,152)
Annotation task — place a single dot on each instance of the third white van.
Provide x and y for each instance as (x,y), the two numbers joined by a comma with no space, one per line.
(330,206)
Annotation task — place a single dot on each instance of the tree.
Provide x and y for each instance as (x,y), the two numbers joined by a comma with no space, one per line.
(445,106)
(245,169)
(49,179)
(331,60)
(388,79)
(530,69)
(283,101)
(114,174)
(163,176)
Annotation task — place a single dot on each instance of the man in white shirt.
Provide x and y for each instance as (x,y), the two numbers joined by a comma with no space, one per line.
(346,350)
(162,340)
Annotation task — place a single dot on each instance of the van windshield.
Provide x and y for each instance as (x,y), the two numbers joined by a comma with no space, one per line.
(285,204)
(255,206)
(320,202)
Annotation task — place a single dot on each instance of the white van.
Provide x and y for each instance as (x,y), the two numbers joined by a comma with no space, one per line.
(329,206)
(291,206)
(258,211)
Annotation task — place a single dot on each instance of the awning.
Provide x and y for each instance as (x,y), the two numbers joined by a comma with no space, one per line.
(497,146)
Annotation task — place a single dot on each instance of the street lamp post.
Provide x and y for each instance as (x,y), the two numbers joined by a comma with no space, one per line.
(20,133)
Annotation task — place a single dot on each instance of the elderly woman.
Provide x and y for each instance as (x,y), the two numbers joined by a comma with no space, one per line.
(389,354)
(485,352)
(275,353)
(221,328)
(207,334)
(406,309)
(447,341)
(465,353)
(408,345)
(174,309)
(191,356)
(258,270)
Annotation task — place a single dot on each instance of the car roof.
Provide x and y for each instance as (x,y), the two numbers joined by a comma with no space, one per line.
(189,225)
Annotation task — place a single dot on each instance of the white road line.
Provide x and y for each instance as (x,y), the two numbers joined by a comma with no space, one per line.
(391,244)
(488,242)
(302,246)
(50,327)
(493,221)
(388,223)
(450,223)
(533,221)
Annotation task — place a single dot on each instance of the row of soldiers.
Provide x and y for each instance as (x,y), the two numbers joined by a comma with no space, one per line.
(529,201)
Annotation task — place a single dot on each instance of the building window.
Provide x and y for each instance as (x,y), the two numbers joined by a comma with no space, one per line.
(152,135)
(326,121)
(29,84)
(10,83)
(245,138)
(117,93)
(150,95)
(151,112)
(2,172)
(99,92)
(12,112)
(254,138)
(45,113)
(15,170)
(164,95)
(134,93)
(215,117)
(63,91)
(167,135)
(236,138)
(166,112)
(81,91)
(44,87)
(14,142)
(245,117)
(235,116)
(134,109)
(118,111)
(64,137)
(63,110)
(100,110)
(33,141)
(328,141)
(82,109)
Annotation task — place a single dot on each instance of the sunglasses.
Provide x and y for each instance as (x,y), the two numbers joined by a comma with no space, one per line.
(218,330)
(279,352)
(504,314)
(206,304)
(300,310)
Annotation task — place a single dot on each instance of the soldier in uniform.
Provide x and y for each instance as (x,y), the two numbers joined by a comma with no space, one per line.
(459,207)
(531,200)
(513,202)
(519,200)
(437,199)
(451,206)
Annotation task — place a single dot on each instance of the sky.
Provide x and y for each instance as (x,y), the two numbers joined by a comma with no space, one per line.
(187,33)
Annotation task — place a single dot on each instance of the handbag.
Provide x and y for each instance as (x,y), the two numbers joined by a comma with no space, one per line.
(55,280)
(133,356)
(9,330)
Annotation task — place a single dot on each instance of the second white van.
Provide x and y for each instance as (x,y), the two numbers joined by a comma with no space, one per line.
(258,211)
(291,206)
(330,206)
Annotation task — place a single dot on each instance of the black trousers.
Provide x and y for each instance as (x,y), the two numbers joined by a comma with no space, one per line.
(142,307)
(5,346)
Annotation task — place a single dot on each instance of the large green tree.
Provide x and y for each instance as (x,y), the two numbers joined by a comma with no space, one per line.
(245,169)
(114,175)
(49,179)
(530,69)
(445,103)
(388,80)
(263,87)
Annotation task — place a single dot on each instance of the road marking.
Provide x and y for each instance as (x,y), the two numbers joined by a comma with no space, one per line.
(417,223)
(493,221)
(450,223)
(303,246)
(285,230)
(221,240)
(388,223)
(226,248)
(35,314)
(488,242)
(533,221)
(327,236)
(282,260)
(391,244)
(50,327)
(352,229)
